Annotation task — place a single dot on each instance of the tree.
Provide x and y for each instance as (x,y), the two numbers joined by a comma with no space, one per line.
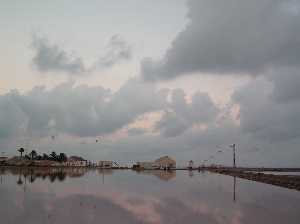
(21,150)
(33,154)
(45,156)
(53,156)
(62,157)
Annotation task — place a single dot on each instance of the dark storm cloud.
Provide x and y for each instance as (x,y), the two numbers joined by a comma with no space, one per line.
(286,83)
(52,58)
(231,37)
(181,115)
(269,108)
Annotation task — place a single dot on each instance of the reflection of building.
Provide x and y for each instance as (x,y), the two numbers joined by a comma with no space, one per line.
(3,158)
(75,171)
(105,171)
(164,162)
(105,164)
(165,175)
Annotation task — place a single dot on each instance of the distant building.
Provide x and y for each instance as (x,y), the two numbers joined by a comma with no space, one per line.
(105,164)
(147,165)
(191,164)
(76,161)
(165,162)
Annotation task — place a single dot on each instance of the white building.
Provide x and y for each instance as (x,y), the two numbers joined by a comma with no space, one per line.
(147,165)
(76,161)
(164,162)
(105,164)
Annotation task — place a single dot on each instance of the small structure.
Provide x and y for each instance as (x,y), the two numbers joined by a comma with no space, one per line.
(165,162)
(76,161)
(105,164)
(191,164)
(147,165)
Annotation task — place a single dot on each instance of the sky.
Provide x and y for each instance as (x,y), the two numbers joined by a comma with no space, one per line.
(184,78)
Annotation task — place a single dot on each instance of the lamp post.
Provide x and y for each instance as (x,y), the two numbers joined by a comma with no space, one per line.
(233,146)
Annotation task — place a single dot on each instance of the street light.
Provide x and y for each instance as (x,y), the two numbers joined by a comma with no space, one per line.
(233,146)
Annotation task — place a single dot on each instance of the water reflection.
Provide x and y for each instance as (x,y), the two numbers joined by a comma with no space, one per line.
(52,174)
(164,175)
(234,187)
(78,196)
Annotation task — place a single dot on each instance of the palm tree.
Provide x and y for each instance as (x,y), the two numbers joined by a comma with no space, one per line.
(33,154)
(53,155)
(45,156)
(62,157)
(21,150)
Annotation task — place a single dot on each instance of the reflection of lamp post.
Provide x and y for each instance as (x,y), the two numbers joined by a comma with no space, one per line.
(234,183)
(25,183)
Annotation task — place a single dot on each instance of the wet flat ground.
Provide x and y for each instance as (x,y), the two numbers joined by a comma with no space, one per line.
(35,196)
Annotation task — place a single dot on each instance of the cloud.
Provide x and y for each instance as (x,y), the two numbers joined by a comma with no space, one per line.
(269,108)
(49,57)
(181,115)
(76,110)
(117,50)
(286,82)
(52,58)
(11,117)
(266,123)
(231,37)
(136,131)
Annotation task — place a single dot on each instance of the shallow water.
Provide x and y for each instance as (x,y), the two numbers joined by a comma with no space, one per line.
(95,196)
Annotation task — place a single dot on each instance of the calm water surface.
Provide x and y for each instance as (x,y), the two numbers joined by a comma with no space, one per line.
(93,196)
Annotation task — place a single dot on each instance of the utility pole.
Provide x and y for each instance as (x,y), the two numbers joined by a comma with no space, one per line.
(233,148)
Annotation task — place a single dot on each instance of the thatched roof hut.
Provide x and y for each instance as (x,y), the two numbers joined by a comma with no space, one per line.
(166,162)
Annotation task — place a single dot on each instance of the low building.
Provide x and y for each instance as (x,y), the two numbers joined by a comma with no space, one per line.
(105,164)
(191,164)
(76,161)
(165,162)
(147,165)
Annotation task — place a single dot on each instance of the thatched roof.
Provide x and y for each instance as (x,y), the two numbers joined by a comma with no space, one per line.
(165,159)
